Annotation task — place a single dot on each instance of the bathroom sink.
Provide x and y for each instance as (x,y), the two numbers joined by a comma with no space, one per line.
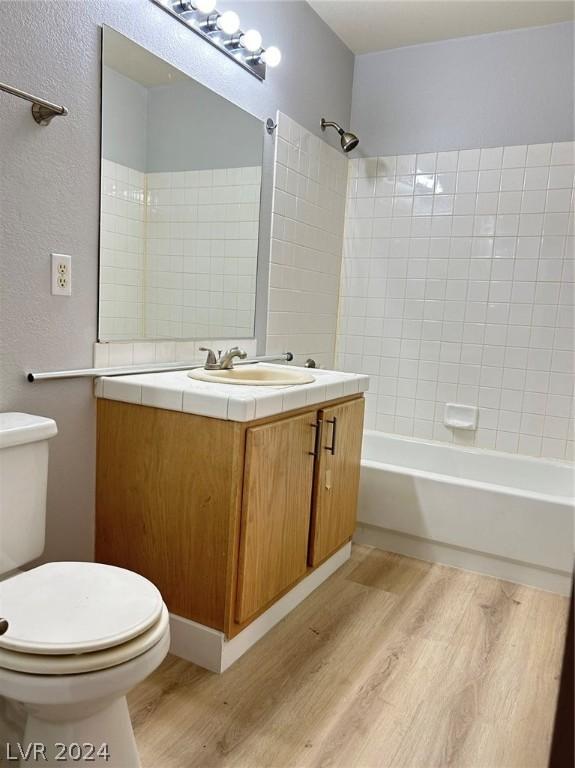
(253,376)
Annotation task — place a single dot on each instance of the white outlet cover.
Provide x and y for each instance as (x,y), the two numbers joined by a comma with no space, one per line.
(61,274)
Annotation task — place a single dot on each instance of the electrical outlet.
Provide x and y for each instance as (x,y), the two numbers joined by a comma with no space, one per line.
(61,274)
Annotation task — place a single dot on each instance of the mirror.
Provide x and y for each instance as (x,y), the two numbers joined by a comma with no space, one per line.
(180,203)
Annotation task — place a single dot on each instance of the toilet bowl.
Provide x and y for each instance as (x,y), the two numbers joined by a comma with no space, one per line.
(79,637)
(74,637)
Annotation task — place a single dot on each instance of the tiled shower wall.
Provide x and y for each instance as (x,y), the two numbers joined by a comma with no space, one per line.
(179,253)
(122,258)
(457,286)
(201,253)
(307,230)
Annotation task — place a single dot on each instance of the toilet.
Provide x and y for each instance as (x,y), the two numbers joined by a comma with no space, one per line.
(74,637)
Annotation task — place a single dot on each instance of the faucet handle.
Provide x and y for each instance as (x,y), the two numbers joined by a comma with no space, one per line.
(211,360)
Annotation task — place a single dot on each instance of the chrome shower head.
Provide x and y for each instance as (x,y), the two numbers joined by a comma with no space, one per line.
(348,140)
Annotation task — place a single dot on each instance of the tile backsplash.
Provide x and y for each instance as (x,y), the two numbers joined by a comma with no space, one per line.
(123,353)
(457,286)
(307,229)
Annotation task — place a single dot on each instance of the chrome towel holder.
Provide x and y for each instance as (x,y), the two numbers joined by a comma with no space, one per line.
(93,373)
(42,111)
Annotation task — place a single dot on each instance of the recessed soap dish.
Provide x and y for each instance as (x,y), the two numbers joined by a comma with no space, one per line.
(459,416)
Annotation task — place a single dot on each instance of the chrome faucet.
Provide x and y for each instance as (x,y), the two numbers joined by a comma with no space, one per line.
(226,360)
(223,362)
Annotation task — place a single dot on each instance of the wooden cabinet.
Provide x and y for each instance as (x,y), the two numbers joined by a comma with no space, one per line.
(336,479)
(225,517)
(278,476)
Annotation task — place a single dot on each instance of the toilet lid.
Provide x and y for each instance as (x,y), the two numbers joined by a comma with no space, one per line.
(61,608)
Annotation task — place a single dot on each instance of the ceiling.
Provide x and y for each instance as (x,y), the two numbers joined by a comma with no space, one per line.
(376,25)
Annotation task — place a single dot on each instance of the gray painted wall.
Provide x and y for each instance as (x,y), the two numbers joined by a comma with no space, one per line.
(176,127)
(491,90)
(124,120)
(190,128)
(49,195)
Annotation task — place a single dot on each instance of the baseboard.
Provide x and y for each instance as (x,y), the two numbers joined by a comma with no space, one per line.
(210,649)
(490,565)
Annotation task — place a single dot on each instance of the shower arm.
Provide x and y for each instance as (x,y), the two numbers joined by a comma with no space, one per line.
(329,124)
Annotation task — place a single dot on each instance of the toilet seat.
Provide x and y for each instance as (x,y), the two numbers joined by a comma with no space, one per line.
(76,608)
(94,661)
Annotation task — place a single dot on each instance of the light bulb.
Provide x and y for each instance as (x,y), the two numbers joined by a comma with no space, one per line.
(229,22)
(205,6)
(251,40)
(272,56)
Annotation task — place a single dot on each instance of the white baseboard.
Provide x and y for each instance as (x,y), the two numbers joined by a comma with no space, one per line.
(210,649)
(458,557)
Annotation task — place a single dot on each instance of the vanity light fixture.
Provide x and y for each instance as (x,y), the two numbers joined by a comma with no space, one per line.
(272,56)
(222,30)
(251,40)
(203,6)
(228,22)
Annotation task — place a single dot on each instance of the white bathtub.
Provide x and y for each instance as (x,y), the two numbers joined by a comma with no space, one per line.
(506,515)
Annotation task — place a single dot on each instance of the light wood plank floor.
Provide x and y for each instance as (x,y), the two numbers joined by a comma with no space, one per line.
(391,662)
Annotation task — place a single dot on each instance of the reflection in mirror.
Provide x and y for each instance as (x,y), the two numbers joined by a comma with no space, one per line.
(181,173)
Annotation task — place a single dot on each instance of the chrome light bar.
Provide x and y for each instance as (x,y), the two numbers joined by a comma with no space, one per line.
(222,30)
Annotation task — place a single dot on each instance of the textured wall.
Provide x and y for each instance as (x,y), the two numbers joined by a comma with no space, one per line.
(487,91)
(49,194)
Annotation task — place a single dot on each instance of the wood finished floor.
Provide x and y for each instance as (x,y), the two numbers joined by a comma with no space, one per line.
(392,662)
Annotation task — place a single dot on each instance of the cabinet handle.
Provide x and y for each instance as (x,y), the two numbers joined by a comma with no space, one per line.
(316,438)
(331,448)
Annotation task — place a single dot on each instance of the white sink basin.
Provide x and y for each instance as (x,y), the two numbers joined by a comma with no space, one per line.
(253,376)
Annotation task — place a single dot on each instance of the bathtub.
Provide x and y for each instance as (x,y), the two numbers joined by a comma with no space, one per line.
(506,515)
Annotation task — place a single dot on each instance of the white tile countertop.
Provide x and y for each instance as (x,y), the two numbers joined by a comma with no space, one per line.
(176,391)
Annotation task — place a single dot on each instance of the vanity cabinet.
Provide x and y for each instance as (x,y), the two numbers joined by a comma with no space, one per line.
(225,517)
(336,479)
(277,494)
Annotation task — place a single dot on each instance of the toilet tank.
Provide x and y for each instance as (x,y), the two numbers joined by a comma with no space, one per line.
(23,482)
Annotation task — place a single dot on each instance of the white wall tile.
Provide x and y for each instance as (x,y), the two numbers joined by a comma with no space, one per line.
(538,154)
(514,157)
(491,158)
(563,153)
(469,304)
(122,238)
(469,159)
(447,161)
(306,249)
(172,243)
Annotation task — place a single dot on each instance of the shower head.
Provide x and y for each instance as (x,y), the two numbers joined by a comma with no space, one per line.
(348,140)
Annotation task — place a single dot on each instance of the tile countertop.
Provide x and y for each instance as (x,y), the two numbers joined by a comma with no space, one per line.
(176,391)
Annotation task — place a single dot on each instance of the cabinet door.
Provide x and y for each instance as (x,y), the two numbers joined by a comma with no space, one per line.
(336,481)
(276,508)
